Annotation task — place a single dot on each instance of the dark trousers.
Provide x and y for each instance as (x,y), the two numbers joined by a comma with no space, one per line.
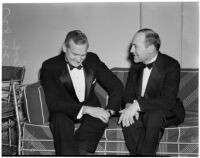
(85,138)
(142,137)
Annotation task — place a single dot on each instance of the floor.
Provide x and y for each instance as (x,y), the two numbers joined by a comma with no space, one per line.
(6,150)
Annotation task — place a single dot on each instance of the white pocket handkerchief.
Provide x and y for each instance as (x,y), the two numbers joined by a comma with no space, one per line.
(94,81)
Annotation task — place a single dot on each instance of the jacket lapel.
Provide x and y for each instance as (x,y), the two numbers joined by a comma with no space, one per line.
(139,84)
(66,80)
(89,75)
(153,83)
(154,79)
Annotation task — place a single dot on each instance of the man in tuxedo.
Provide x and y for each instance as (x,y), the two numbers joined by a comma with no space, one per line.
(68,81)
(150,96)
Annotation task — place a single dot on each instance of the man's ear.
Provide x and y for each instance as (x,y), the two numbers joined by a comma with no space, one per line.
(64,48)
(151,48)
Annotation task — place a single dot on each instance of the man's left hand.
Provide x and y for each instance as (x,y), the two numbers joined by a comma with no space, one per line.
(128,114)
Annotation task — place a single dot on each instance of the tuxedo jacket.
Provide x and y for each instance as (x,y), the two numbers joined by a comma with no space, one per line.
(161,90)
(60,94)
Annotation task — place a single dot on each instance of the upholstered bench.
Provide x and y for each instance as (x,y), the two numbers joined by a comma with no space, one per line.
(176,141)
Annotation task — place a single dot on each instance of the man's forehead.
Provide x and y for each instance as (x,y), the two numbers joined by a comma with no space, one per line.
(138,37)
(78,49)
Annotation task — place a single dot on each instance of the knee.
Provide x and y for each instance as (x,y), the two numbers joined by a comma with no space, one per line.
(94,122)
(60,124)
(154,118)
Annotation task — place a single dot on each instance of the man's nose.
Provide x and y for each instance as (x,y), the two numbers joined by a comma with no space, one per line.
(132,50)
(80,59)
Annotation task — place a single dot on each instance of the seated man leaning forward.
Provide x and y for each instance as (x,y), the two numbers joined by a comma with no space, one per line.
(150,97)
(68,81)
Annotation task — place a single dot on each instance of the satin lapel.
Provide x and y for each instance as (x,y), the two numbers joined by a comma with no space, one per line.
(89,75)
(67,83)
(139,84)
(153,82)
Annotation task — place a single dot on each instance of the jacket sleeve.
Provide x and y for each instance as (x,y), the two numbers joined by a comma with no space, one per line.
(130,89)
(109,82)
(55,100)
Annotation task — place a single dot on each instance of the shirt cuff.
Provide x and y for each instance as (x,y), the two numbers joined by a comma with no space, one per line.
(137,104)
(111,112)
(80,114)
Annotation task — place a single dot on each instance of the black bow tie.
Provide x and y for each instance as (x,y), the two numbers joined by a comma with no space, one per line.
(150,65)
(71,67)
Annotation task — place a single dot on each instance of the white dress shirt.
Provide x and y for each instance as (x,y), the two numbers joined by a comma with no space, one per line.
(145,78)
(78,80)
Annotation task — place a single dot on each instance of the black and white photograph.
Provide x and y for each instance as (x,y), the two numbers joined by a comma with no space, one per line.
(88,78)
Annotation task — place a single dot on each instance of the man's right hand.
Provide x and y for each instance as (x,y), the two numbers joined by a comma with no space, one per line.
(97,112)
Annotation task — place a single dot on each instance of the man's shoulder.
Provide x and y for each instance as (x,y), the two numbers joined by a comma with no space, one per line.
(167,60)
(52,61)
(91,57)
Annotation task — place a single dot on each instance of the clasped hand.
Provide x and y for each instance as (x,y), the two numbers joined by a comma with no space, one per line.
(128,114)
(97,112)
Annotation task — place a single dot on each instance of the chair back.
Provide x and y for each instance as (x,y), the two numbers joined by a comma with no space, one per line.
(10,75)
(13,73)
